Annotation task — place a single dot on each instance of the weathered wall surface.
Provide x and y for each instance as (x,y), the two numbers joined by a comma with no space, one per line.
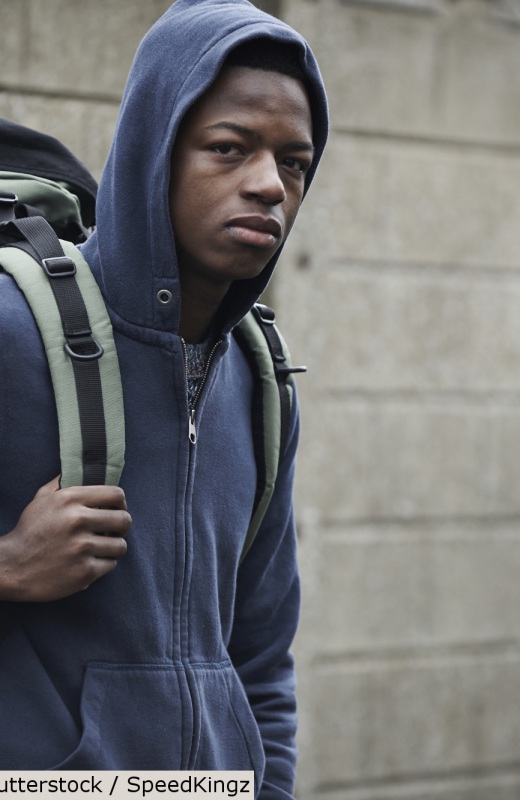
(64,64)
(400,289)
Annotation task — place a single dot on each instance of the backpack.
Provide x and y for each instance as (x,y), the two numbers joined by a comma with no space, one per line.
(47,205)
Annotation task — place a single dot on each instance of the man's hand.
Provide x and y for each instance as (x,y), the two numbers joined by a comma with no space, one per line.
(55,550)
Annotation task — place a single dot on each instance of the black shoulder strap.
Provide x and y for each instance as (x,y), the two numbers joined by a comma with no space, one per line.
(35,236)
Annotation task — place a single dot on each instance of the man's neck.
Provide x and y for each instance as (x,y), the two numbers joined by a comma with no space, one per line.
(200,302)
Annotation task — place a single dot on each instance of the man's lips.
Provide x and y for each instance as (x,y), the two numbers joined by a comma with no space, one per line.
(254,229)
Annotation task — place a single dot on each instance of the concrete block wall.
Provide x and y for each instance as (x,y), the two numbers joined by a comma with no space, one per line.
(400,288)
(64,64)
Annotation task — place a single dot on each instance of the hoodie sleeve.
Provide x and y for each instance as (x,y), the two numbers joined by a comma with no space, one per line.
(266,617)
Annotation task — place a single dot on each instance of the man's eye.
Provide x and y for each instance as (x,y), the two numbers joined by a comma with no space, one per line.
(224,149)
(295,164)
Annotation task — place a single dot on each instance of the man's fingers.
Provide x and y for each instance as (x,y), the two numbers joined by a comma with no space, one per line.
(89,496)
(107,520)
(97,496)
(101,567)
(108,547)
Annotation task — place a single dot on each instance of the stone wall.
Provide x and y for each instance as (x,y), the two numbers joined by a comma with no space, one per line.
(64,65)
(400,288)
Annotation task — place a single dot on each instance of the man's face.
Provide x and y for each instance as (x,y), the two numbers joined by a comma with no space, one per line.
(238,172)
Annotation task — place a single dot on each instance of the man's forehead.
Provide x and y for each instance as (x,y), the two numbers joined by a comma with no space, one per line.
(245,90)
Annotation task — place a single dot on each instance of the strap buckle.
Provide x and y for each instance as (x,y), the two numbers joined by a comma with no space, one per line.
(81,341)
(59,267)
(264,314)
(8,197)
(8,201)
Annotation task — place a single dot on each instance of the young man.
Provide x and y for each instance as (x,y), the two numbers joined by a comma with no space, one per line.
(178,659)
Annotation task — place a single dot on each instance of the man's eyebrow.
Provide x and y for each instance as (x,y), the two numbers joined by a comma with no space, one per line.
(232,126)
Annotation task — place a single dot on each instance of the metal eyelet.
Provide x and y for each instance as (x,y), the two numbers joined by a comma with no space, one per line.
(164,297)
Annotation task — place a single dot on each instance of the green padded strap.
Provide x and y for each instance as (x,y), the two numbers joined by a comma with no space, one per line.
(35,285)
(257,344)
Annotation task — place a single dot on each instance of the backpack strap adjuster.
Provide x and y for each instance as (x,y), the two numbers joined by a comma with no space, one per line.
(81,340)
(59,267)
(264,314)
(8,197)
(8,200)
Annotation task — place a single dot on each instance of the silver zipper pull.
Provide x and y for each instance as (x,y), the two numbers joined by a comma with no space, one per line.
(192,432)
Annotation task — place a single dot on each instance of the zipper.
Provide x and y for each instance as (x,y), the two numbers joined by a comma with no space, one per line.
(192,429)
(185,587)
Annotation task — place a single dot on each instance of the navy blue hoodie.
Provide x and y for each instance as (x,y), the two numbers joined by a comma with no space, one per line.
(180,658)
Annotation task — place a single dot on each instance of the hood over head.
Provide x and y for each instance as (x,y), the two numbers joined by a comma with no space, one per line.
(132,252)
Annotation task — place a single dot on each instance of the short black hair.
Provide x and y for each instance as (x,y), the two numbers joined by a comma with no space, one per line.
(268,54)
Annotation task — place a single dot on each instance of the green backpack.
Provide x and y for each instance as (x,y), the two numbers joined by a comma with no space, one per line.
(77,333)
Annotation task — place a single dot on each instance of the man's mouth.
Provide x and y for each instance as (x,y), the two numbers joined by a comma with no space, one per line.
(255,230)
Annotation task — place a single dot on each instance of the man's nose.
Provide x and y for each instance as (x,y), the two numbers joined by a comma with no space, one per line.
(263,180)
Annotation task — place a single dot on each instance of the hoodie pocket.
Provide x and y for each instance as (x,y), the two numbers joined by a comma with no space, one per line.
(132,719)
(36,726)
(228,734)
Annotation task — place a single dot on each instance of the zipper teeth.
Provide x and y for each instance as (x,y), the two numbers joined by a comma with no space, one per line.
(206,370)
(185,349)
